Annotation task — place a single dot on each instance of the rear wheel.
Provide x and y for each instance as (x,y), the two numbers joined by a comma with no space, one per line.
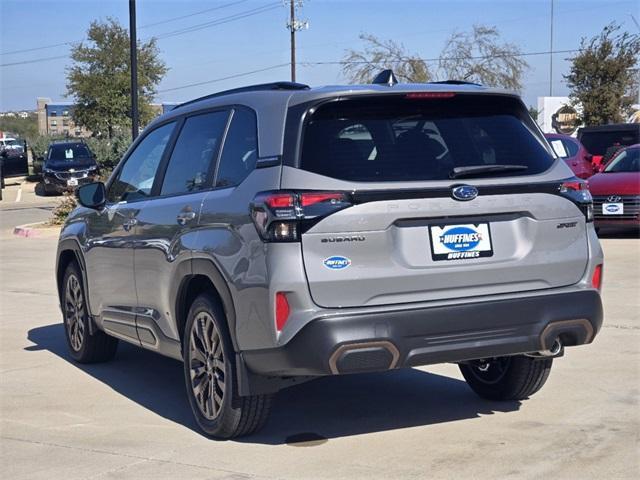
(209,371)
(507,378)
(83,346)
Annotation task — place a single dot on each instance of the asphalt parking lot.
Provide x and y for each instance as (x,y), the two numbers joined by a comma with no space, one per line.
(130,418)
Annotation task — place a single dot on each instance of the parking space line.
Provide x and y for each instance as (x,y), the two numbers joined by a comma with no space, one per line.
(19,194)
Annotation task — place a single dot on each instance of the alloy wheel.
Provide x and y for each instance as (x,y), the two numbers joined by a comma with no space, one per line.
(74,312)
(207,365)
(492,370)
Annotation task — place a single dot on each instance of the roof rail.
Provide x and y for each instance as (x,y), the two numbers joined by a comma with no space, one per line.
(457,82)
(250,88)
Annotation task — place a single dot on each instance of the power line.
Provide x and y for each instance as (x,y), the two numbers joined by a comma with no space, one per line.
(169,20)
(35,60)
(237,75)
(478,57)
(44,47)
(219,21)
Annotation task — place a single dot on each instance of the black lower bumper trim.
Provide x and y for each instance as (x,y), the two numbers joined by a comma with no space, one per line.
(452,333)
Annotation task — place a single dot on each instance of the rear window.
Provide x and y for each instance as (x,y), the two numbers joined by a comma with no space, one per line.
(69,152)
(598,143)
(378,139)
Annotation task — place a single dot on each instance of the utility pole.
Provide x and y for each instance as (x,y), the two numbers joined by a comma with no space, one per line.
(551,54)
(293,26)
(133,52)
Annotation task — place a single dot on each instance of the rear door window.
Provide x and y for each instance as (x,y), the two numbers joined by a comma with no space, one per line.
(240,151)
(194,153)
(378,139)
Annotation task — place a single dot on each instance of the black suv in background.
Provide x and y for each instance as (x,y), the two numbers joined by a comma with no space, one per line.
(68,165)
(604,141)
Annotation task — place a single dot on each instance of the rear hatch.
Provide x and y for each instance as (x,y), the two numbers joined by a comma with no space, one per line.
(410,234)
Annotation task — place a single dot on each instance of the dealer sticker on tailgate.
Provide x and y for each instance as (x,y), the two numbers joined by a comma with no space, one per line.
(457,242)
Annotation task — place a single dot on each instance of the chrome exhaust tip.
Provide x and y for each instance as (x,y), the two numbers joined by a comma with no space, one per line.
(556,350)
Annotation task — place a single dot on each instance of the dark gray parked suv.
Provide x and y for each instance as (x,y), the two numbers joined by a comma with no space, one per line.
(273,234)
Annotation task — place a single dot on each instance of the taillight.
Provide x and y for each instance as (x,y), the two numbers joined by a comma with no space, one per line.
(282,310)
(282,216)
(596,279)
(577,191)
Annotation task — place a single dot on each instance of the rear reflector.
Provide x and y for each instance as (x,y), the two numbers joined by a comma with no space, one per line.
(596,280)
(282,310)
(418,95)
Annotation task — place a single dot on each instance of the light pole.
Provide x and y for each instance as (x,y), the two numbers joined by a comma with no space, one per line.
(133,52)
(551,54)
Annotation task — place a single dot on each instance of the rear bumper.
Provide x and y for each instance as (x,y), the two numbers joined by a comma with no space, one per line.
(382,340)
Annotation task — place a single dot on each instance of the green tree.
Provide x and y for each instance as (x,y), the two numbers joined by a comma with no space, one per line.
(602,77)
(99,79)
(26,128)
(476,56)
(533,111)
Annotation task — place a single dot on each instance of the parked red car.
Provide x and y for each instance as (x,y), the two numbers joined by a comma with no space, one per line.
(572,152)
(616,190)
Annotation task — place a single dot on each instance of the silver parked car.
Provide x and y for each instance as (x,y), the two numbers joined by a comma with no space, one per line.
(273,234)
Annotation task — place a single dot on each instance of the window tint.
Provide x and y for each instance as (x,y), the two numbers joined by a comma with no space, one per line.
(194,151)
(598,143)
(68,152)
(135,178)
(405,139)
(240,151)
(626,161)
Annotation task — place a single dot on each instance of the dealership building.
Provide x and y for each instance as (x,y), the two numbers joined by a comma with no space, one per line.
(56,118)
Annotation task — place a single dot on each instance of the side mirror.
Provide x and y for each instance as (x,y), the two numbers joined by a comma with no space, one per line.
(92,195)
(601,167)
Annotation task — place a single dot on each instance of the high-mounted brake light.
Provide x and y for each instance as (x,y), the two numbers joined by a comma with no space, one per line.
(282,216)
(419,95)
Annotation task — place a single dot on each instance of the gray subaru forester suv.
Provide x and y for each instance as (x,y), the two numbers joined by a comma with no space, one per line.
(273,234)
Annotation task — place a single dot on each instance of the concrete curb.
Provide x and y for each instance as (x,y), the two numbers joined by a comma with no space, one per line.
(31,230)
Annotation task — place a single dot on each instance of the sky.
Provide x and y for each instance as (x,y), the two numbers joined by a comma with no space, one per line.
(234,37)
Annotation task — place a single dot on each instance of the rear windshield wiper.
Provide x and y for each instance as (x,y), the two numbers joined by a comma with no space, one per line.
(471,170)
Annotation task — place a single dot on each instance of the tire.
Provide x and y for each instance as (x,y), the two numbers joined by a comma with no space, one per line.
(83,346)
(507,378)
(210,376)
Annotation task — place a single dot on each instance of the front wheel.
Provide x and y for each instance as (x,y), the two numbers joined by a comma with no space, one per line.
(209,371)
(83,346)
(506,378)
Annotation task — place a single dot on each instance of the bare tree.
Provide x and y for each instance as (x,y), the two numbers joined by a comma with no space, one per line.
(476,56)
(479,56)
(363,66)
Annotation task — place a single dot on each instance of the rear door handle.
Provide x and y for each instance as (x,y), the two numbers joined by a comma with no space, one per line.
(184,217)
(129,224)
